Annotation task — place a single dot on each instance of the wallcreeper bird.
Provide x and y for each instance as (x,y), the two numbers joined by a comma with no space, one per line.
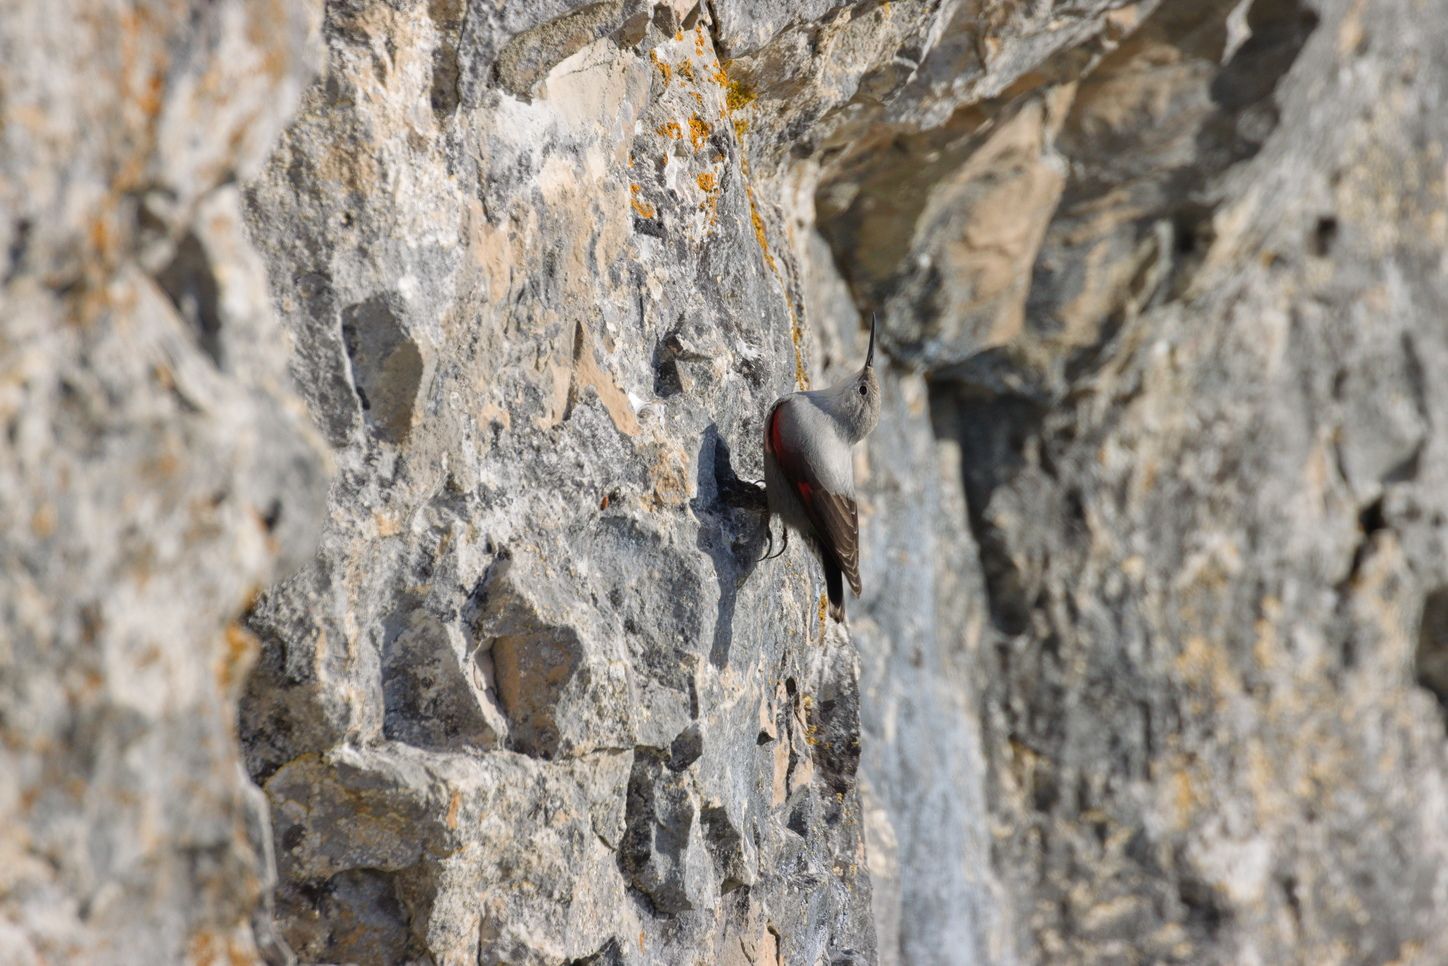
(809,477)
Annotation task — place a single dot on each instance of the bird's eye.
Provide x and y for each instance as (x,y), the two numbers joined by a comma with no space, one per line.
(863,390)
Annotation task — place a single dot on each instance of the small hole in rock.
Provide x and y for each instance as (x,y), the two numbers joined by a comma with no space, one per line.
(1430,664)
(1324,233)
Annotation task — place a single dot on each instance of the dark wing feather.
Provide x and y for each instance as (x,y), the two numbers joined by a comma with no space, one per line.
(833,515)
(835,587)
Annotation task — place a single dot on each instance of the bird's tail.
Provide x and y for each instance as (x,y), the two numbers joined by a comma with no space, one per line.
(835,585)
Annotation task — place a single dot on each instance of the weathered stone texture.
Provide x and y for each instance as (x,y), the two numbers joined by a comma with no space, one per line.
(1152,659)
(156,471)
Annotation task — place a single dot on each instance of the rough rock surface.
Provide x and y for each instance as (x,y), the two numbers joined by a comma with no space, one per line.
(157,471)
(1152,660)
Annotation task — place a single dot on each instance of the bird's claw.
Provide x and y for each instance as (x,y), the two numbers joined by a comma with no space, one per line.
(784,544)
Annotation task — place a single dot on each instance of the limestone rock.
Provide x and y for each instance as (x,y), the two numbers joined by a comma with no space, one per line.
(381,387)
(157,472)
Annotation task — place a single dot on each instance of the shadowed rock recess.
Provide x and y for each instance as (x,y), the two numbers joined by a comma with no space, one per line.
(377,380)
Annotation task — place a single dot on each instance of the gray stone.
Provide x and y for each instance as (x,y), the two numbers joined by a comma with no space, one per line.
(383,428)
(157,472)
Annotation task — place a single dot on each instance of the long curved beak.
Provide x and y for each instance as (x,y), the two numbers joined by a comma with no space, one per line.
(870,353)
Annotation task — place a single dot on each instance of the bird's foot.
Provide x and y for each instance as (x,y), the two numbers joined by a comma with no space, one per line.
(784,544)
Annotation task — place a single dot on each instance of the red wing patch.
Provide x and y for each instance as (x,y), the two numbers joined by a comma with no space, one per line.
(771,438)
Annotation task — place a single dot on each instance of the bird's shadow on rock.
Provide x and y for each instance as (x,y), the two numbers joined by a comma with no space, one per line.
(733,527)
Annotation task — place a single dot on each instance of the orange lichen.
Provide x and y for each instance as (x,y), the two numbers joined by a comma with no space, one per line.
(686,71)
(670,130)
(235,660)
(641,207)
(759,232)
(665,71)
(698,131)
(796,335)
(739,95)
(708,183)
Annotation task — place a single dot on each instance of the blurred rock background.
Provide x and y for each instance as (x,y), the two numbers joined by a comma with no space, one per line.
(376,379)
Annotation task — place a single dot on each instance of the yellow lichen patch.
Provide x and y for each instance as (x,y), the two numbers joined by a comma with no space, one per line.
(698,131)
(686,71)
(708,183)
(739,95)
(796,335)
(671,130)
(240,650)
(759,233)
(665,71)
(642,208)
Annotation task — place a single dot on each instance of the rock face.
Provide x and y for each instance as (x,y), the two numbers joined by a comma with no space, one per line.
(157,470)
(1152,659)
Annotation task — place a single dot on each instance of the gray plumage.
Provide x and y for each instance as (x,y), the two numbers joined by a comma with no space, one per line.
(809,473)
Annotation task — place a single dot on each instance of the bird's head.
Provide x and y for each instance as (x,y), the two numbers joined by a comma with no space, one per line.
(860,398)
